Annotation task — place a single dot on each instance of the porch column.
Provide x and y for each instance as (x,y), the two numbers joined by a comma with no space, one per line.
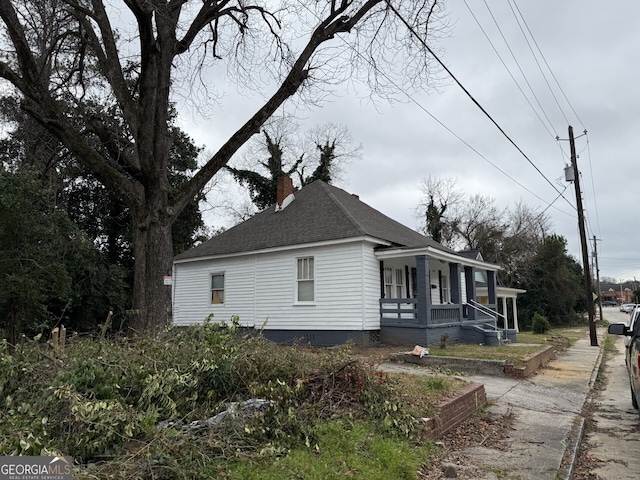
(505,312)
(423,284)
(515,315)
(470,287)
(454,278)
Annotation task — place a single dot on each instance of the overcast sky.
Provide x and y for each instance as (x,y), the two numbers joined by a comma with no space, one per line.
(593,51)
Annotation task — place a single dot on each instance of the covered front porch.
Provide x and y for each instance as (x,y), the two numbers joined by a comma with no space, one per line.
(507,306)
(428,295)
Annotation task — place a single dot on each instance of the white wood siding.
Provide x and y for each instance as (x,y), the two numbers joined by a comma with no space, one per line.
(192,291)
(261,288)
(370,278)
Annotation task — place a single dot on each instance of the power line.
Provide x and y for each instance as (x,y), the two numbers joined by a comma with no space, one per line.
(553,134)
(593,187)
(424,109)
(538,64)
(548,67)
(472,98)
(419,105)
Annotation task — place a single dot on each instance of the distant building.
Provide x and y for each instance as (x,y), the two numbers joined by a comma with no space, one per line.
(619,296)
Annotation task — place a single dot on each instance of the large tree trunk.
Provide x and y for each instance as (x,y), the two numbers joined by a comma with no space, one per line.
(153,252)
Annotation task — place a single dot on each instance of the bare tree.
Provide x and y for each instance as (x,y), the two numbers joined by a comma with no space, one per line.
(263,187)
(333,144)
(89,69)
(525,232)
(507,237)
(440,210)
(481,225)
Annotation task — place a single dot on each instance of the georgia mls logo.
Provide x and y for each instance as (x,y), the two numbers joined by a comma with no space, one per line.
(35,468)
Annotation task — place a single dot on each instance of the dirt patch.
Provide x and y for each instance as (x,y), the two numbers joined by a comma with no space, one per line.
(586,463)
(480,430)
(559,343)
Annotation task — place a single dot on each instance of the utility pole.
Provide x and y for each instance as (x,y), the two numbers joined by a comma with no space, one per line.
(595,256)
(583,240)
(621,296)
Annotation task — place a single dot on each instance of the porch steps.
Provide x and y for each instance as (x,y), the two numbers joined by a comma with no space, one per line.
(487,334)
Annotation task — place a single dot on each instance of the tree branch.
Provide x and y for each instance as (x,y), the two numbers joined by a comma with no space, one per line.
(335,23)
(26,62)
(109,61)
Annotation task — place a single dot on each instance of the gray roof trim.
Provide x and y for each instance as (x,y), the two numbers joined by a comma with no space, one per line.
(281,249)
(506,292)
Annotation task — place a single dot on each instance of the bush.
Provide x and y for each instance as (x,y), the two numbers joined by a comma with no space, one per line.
(540,324)
(107,398)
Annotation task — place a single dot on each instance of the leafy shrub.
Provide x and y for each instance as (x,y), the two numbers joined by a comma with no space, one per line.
(540,324)
(92,379)
(94,427)
(169,392)
(106,398)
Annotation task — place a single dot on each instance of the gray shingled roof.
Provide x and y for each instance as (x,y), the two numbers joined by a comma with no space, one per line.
(320,212)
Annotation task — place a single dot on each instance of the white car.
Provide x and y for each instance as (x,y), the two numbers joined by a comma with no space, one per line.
(627,307)
(633,319)
(631,356)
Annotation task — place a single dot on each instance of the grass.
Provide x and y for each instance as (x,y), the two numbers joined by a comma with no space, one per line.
(330,416)
(570,334)
(609,341)
(421,393)
(528,344)
(344,450)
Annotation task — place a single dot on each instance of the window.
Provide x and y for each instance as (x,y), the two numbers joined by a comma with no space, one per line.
(444,286)
(393,283)
(217,288)
(399,283)
(388,282)
(305,278)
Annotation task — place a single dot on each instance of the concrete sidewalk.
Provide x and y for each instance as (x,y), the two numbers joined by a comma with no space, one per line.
(547,416)
(547,409)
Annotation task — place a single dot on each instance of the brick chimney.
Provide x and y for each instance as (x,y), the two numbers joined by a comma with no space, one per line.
(284,188)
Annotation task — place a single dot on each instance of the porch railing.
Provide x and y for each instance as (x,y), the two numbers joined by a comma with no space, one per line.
(398,310)
(403,311)
(445,313)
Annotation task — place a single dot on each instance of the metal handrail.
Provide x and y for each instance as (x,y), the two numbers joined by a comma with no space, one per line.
(484,309)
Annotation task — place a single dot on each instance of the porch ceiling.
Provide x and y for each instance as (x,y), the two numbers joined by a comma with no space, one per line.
(389,253)
(506,292)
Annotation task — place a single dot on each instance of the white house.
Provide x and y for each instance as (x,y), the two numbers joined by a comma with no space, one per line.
(323,267)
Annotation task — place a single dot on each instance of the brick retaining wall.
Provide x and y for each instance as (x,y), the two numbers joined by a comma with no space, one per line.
(531,364)
(453,411)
